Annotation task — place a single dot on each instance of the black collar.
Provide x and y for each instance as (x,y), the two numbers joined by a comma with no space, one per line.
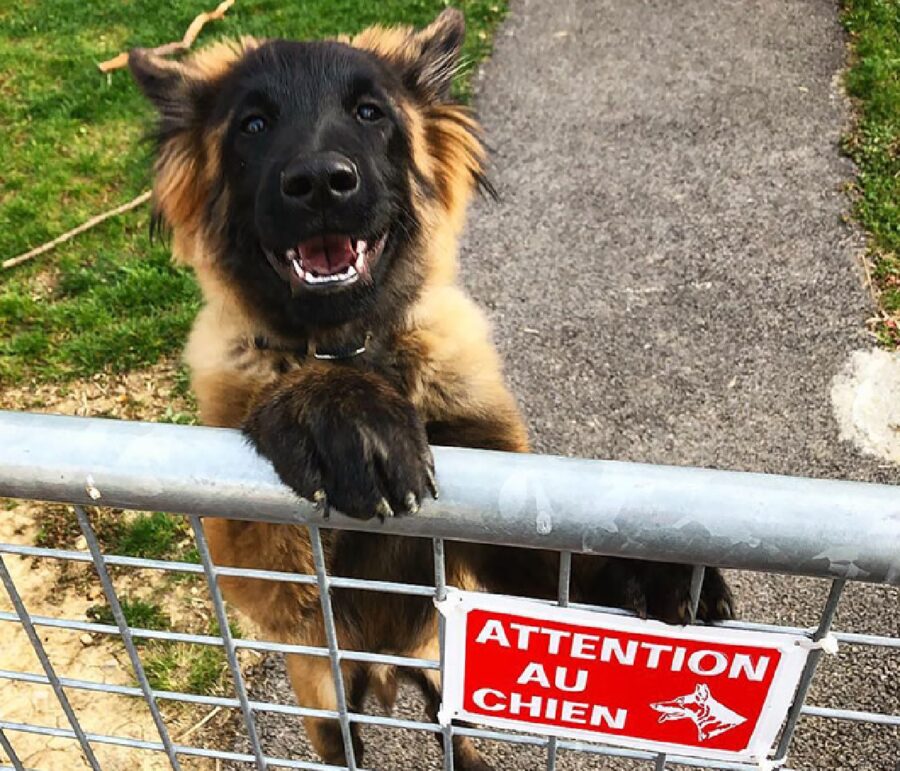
(310,347)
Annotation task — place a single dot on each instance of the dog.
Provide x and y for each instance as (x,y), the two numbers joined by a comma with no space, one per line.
(710,716)
(318,191)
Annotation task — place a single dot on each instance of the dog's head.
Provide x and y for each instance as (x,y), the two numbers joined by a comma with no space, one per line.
(319,181)
(686,706)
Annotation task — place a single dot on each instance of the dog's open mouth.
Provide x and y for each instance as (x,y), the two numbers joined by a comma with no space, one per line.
(327,261)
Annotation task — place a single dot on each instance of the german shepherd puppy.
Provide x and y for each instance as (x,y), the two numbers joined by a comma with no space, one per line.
(318,190)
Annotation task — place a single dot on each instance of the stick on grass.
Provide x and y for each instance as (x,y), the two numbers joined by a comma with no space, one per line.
(190,35)
(92,222)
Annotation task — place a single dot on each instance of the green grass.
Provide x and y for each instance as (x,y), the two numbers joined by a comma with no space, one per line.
(58,526)
(70,147)
(173,666)
(170,666)
(138,613)
(152,536)
(200,669)
(149,535)
(874,82)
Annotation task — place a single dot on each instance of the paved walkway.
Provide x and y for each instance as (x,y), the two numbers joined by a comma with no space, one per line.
(671,280)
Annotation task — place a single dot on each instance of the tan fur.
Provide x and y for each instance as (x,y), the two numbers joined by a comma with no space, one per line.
(459,371)
(216,59)
(312,683)
(188,165)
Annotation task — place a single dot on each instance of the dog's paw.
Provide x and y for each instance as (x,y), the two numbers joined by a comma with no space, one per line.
(663,591)
(716,600)
(344,439)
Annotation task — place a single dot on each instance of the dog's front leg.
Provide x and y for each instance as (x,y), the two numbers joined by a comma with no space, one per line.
(344,437)
(313,683)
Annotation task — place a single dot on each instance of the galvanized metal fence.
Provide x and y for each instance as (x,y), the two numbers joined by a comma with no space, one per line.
(837,531)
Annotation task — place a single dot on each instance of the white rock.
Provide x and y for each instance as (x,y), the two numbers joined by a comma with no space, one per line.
(865,397)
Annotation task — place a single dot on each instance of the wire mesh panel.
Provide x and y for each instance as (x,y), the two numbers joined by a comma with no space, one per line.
(599,508)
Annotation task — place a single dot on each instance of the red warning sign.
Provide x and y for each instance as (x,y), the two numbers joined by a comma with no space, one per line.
(703,691)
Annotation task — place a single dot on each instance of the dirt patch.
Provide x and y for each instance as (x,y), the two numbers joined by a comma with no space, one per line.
(74,655)
(72,590)
(155,393)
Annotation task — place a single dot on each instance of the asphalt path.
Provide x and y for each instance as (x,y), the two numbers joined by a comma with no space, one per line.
(672,280)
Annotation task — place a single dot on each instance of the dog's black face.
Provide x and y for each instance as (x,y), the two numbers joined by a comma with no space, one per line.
(309,176)
(316,162)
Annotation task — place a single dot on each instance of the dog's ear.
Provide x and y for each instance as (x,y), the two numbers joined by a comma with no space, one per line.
(702,691)
(181,89)
(427,59)
(165,82)
(440,45)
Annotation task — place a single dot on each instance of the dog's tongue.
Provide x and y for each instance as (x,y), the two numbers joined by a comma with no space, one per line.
(326,255)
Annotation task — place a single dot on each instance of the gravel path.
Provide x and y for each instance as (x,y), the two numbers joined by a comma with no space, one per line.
(672,282)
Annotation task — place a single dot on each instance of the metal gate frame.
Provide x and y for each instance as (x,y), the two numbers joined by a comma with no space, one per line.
(842,531)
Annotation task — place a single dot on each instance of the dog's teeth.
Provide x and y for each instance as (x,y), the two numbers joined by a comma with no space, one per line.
(346,274)
(361,247)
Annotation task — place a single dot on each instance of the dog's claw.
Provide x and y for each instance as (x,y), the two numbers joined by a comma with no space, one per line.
(412,505)
(320,499)
(432,483)
(725,609)
(383,509)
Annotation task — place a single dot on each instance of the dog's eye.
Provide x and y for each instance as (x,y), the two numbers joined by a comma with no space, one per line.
(254,124)
(369,113)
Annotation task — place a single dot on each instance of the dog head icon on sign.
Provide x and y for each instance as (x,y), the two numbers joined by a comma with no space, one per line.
(710,716)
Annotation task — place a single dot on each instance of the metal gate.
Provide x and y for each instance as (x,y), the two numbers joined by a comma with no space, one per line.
(833,530)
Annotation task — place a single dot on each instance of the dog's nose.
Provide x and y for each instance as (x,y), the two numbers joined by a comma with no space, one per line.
(320,180)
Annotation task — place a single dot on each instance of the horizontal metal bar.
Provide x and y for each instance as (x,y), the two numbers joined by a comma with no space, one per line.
(507,738)
(823,528)
(850,638)
(598,749)
(221,701)
(828,713)
(181,749)
(510,738)
(857,716)
(390,587)
(204,639)
(867,639)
